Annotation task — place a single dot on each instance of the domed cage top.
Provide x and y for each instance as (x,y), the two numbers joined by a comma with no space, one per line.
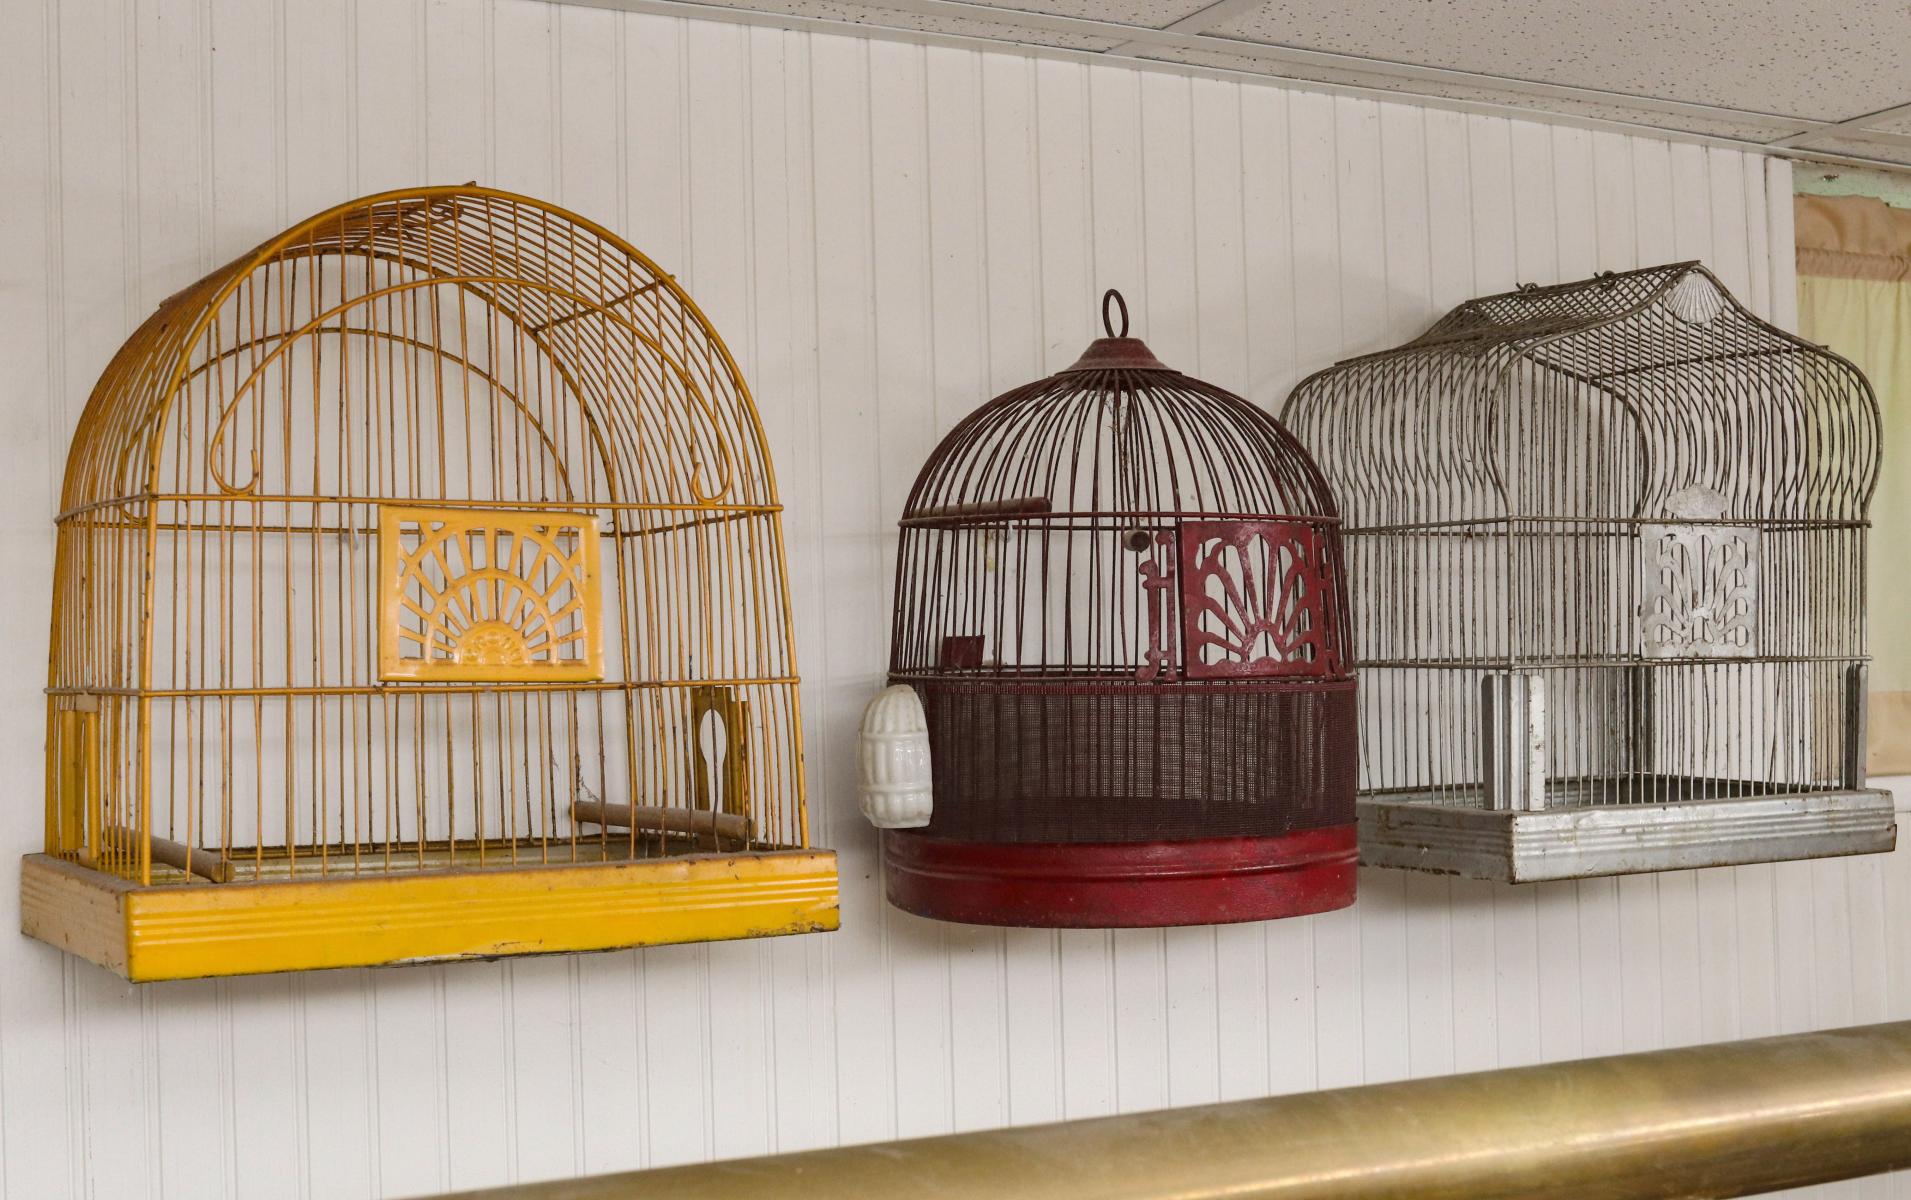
(424,562)
(1606,544)
(1119,598)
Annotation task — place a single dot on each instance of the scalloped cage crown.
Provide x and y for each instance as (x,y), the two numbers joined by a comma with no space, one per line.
(1606,546)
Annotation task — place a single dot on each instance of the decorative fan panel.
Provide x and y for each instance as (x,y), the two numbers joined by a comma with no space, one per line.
(1254,600)
(476,595)
(1699,590)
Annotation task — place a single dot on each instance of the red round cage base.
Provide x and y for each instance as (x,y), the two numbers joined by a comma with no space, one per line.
(1121,885)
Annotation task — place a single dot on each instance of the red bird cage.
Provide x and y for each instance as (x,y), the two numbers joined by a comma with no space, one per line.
(1119,603)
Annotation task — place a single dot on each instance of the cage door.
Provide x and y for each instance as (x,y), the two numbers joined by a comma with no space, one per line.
(474,595)
(76,778)
(1255,600)
(1699,581)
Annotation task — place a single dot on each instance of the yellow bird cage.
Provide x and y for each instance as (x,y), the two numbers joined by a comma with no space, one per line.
(420,594)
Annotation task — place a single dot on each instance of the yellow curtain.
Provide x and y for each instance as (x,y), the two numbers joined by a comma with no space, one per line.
(1854,295)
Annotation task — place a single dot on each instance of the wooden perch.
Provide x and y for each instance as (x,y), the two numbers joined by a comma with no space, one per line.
(1019,506)
(670,820)
(203,863)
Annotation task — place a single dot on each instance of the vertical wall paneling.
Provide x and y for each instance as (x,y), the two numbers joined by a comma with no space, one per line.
(169,88)
(1717,917)
(1070,204)
(1396,300)
(886,234)
(1223,262)
(786,297)
(1009,197)
(905,359)
(248,159)
(1179,134)
(852,589)
(1446,1018)
(1480,1001)
(39,1045)
(1119,125)
(1778,215)
(1246,955)
(458,99)
(1571,228)
(962,228)
(1683,973)
(1792,883)
(408,1102)
(100,131)
(593,144)
(1357,241)
(1314,310)
(1405,918)
(1602,944)
(736,1049)
(1641,967)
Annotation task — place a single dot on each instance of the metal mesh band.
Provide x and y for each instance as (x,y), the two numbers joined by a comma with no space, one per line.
(1111,762)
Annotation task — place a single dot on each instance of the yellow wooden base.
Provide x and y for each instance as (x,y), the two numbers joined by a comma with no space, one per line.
(192,931)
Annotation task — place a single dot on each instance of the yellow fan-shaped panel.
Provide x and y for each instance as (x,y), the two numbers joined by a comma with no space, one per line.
(490,596)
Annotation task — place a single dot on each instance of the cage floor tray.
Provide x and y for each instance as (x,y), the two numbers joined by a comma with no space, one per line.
(1452,835)
(292,921)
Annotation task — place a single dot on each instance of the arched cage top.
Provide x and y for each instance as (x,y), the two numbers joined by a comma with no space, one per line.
(1117,434)
(1634,395)
(474,317)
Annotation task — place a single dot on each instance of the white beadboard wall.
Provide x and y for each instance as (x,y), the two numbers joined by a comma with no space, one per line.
(887,234)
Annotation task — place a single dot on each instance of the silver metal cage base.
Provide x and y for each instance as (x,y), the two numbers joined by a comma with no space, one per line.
(1452,835)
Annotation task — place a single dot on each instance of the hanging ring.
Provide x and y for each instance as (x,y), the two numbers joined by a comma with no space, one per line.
(1106,322)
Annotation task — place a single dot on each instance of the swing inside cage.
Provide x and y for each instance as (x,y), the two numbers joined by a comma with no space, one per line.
(1606,546)
(425,562)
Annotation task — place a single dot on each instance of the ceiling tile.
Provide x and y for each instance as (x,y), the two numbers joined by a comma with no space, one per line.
(1150,14)
(893,18)
(1806,58)
(1721,127)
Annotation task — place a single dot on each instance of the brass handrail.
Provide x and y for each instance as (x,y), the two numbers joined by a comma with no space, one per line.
(1734,1119)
